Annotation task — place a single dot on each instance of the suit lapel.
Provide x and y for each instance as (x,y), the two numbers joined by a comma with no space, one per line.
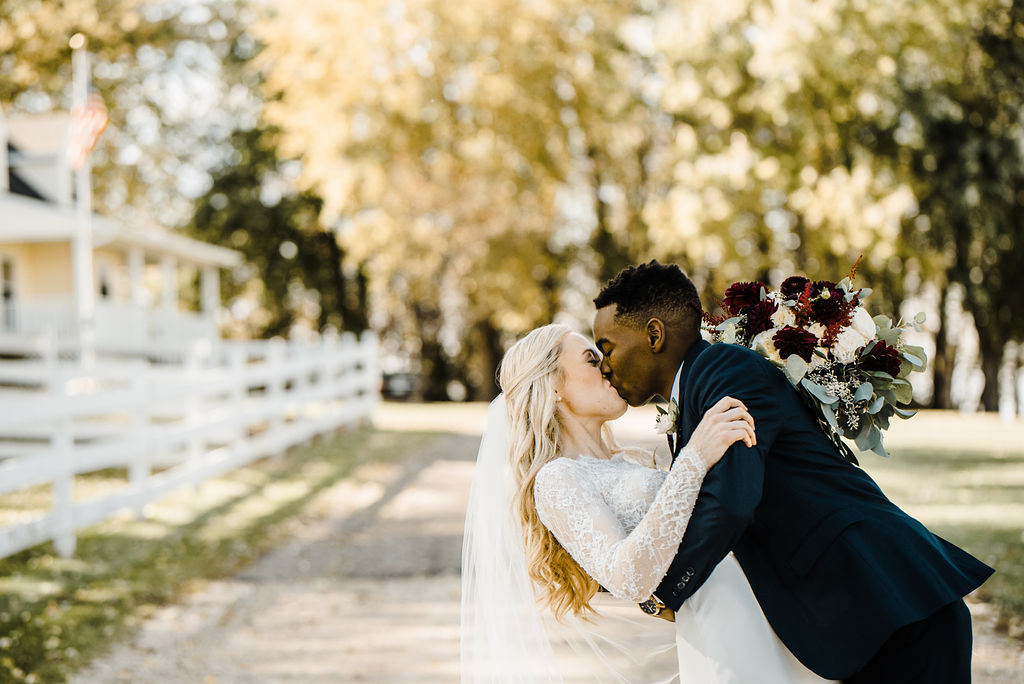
(683,431)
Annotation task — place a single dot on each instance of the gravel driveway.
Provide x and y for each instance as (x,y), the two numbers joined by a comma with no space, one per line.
(367,587)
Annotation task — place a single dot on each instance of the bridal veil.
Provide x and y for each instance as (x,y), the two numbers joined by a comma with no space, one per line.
(507,637)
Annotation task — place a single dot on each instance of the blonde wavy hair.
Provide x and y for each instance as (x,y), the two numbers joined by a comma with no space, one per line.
(529,375)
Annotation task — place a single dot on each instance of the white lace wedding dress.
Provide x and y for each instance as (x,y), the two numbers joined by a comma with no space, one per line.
(622,523)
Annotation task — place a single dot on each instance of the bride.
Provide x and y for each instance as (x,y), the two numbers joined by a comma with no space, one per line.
(558,510)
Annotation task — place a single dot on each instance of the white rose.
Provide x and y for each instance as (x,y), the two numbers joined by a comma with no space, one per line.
(667,418)
(764,344)
(816,329)
(863,323)
(729,334)
(783,317)
(847,344)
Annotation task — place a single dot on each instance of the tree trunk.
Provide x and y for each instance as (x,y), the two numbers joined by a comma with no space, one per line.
(942,363)
(435,367)
(490,354)
(990,351)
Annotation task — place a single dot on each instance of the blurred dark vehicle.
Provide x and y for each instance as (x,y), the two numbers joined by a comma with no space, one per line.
(399,386)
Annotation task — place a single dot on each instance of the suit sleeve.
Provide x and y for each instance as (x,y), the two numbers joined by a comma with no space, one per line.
(733,487)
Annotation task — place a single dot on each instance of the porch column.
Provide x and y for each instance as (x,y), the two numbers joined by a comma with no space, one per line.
(136,276)
(168,284)
(210,286)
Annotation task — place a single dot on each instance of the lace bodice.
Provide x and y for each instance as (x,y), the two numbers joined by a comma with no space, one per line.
(620,521)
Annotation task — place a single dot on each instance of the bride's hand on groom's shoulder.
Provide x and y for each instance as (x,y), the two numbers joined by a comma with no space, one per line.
(724,424)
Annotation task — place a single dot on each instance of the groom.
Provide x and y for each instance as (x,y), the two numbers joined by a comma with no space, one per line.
(855,588)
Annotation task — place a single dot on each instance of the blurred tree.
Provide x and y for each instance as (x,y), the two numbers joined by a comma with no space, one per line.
(447,158)
(955,134)
(173,79)
(294,274)
(492,162)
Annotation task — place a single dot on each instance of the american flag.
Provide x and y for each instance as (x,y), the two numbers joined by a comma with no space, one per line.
(87,123)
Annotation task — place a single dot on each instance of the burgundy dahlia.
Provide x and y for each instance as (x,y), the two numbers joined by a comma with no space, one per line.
(741,296)
(793,286)
(797,341)
(830,308)
(882,357)
(759,317)
(819,286)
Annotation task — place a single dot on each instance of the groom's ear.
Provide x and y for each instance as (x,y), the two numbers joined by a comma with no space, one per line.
(655,332)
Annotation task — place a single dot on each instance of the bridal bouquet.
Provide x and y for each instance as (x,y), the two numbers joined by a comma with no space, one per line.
(851,368)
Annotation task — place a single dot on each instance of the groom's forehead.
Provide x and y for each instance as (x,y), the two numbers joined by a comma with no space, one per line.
(608,327)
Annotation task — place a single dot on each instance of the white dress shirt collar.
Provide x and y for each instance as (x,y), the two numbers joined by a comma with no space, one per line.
(675,385)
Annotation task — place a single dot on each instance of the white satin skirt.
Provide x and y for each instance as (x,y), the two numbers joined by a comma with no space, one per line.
(722,637)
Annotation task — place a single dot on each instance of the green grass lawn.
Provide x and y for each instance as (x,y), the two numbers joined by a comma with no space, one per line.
(963,476)
(56,613)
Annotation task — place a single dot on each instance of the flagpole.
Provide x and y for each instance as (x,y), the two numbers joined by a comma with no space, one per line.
(85,295)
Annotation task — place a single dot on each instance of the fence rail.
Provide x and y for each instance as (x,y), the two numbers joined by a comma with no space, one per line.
(167,425)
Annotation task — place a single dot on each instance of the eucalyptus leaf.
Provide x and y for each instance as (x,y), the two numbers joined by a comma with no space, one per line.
(868,439)
(905,413)
(879,374)
(819,392)
(830,416)
(880,449)
(726,323)
(864,293)
(876,405)
(795,369)
(882,322)
(844,284)
(763,293)
(889,335)
(920,317)
(903,391)
(920,357)
(862,436)
(864,392)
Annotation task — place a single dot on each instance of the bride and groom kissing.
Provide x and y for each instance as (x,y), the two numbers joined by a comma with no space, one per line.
(779,560)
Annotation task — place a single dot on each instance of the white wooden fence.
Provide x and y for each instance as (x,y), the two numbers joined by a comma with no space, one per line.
(169,425)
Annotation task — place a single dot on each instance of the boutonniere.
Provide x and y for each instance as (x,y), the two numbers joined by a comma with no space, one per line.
(665,423)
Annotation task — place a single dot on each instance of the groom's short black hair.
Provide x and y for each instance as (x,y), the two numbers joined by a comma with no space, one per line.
(653,290)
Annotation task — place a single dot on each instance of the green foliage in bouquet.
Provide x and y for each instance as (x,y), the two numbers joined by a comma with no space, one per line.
(852,369)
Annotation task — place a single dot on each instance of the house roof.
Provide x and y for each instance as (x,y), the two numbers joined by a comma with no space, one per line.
(41,141)
(23,219)
(17,184)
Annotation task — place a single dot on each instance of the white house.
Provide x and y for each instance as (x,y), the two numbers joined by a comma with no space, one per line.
(100,367)
(137,271)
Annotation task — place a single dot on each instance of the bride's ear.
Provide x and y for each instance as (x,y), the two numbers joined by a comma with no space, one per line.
(655,332)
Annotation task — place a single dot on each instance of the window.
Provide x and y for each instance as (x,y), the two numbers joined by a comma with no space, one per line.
(9,315)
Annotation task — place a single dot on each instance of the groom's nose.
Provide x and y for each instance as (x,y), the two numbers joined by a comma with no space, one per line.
(605,369)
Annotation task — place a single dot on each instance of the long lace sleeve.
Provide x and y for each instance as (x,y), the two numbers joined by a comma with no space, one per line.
(630,566)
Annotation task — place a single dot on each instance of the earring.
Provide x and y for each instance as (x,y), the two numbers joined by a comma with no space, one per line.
(558,398)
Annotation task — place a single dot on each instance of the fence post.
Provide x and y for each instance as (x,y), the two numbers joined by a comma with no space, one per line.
(238,366)
(333,407)
(276,369)
(194,404)
(371,374)
(299,358)
(63,441)
(141,465)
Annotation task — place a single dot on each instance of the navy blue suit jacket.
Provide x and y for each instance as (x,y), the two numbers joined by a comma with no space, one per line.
(835,565)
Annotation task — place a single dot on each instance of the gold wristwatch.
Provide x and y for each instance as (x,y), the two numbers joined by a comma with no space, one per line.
(652,606)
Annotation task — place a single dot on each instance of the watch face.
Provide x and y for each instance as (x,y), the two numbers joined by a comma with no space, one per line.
(649,607)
